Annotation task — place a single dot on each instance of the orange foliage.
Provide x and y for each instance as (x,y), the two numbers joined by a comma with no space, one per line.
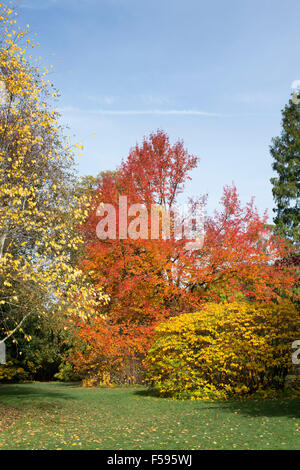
(149,280)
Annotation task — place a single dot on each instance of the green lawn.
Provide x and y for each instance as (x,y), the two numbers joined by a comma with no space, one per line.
(66,416)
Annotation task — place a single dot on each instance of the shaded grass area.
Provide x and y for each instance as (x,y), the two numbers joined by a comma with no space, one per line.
(66,416)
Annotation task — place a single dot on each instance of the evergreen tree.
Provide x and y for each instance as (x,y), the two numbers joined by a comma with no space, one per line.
(285,151)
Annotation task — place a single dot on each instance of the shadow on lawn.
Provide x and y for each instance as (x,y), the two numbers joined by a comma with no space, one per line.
(28,392)
(288,408)
(147,392)
(280,407)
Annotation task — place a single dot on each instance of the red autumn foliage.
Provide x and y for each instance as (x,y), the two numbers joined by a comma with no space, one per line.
(239,255)
(149,280)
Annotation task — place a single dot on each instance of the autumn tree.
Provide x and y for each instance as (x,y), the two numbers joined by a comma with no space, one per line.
(37,200)
(155,172)
(150,279)
(137,274)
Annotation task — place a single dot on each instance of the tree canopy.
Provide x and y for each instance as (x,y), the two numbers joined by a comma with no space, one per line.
(285,151)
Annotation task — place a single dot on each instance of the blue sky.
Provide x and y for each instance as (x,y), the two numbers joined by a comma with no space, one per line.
(214,73)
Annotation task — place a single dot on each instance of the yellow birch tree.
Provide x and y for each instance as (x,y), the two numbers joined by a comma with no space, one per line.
(38,204)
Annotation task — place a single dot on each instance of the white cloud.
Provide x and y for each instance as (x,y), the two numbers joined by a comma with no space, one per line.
(153,100)
(295,85)
(37,4)
(256,97)
(101,100)
(109,99)
(136,112)
(45,4)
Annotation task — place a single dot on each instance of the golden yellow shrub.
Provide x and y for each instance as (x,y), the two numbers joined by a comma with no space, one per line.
(225,349)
